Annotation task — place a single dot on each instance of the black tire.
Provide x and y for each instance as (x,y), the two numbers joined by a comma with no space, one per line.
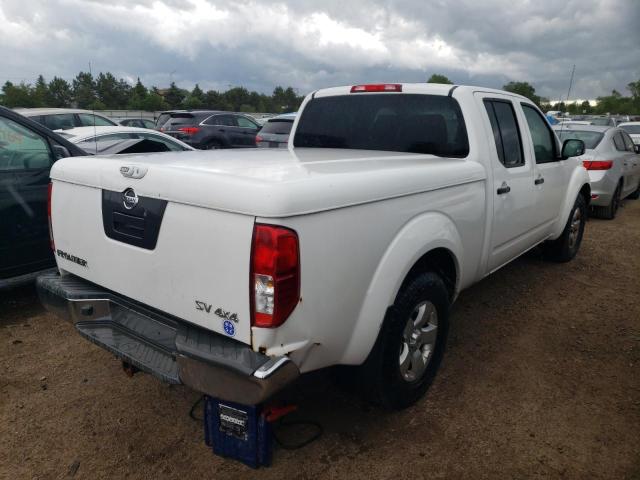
(213,145)
(609,212)
(565,247)
(381,376)
(635,195)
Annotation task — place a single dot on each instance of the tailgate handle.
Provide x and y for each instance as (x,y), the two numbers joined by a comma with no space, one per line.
(128,225)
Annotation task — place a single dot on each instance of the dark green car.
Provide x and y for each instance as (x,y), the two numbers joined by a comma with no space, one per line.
(27,152)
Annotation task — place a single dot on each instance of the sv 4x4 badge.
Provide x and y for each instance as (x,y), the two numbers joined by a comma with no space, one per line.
(206,307)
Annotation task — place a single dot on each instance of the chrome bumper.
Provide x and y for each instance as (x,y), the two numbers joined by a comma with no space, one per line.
(171,349)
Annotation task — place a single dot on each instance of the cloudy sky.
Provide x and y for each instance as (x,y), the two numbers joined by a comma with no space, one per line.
(308,44)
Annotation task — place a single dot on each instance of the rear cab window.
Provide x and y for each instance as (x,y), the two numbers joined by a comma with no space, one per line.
(60,121)
(412,123)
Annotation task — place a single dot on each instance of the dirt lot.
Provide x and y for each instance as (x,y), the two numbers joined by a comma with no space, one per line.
(541,379)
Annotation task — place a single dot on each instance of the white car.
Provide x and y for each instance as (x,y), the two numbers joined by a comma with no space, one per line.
(92,139)
(613,164)
(65,118)
(633,129)
(233,271)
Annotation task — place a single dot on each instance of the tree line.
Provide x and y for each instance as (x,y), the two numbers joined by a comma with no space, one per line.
(613,104)
(106,92)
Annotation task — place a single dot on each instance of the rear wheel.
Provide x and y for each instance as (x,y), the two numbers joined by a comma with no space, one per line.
(409,348)
(213,145)
(609,212)
(565,247)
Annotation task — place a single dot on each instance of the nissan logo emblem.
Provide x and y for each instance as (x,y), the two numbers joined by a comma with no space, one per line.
(129,198)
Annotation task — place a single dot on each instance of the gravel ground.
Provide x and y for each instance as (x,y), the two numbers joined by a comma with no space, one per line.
(540,380)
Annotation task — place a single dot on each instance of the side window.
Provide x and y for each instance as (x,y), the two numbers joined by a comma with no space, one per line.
(544,140)
(87,119)
(61,121)
(221,120)
(22,149)
(505,132)
(113,136)
(246,123)
(544,143)
(619,142)
(175,147)
(628,142)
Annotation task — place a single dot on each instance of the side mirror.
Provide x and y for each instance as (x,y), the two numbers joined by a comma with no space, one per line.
(572,148)
(61,152)
(636,148)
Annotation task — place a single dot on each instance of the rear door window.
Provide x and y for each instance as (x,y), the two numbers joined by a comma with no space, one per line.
(506,133)
(628,143)
(413,123)
(221,120)
(22,149)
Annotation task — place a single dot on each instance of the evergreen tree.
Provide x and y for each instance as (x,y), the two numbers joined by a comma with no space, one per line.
(84,90)
(437,78)
(41,97)
(60,93)
(174,96)
(195,99)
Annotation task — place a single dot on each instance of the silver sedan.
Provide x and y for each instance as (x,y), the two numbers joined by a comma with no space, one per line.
(613,164)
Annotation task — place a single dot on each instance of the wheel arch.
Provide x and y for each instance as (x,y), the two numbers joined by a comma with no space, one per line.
(429,242)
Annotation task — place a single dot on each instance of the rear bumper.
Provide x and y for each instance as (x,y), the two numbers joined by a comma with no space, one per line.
(166,347)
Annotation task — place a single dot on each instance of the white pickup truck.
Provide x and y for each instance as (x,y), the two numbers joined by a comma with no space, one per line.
(235,271)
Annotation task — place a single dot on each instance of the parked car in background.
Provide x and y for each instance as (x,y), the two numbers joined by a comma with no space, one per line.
(27,152)
(138,122)
(275,132)
(613,164)
(603,121)
(65,118)
(633,129)
(94,139)
(163,117)
(208,130)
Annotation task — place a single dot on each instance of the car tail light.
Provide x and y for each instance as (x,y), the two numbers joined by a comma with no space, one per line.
(49,193)
(597,164)
(189,130)
(258,139)
(275,275)
(377,87)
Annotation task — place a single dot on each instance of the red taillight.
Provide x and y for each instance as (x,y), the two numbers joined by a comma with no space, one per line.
(377,87)
(50,192)
(258,139)
(189,130)
(597,164)
(275,275)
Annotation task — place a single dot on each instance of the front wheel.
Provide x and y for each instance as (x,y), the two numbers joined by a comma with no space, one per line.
(565,247)
(407,353)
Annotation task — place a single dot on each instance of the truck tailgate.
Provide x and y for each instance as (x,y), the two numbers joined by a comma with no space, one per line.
(188,261)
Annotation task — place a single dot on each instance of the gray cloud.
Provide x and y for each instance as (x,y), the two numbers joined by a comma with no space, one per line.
(308,45)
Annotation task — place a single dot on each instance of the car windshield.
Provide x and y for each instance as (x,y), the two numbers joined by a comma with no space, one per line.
(632,129)
(412,123)
(590,139)
(278,126)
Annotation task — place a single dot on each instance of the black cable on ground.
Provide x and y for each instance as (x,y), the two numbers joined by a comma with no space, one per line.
(193,409)
(295,446)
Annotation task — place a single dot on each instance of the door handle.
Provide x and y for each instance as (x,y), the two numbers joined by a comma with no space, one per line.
(539,181)
(504,188)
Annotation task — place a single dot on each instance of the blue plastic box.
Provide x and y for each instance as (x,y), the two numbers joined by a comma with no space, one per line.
(238,431)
